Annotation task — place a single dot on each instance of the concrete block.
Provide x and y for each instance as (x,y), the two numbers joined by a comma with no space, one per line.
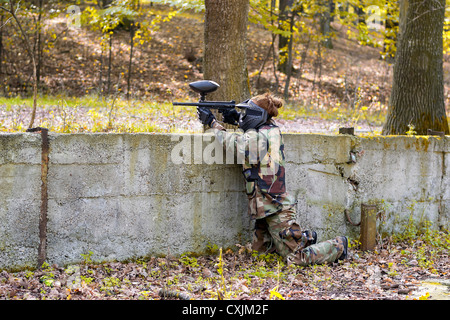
(20,181)
(85,180)
(16,148)
(92,148)
(124,227)
(149,168)
(318,148)
(397,171)
(446,175)
(19,232)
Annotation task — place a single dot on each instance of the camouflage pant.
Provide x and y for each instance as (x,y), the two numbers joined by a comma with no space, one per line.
(280,233)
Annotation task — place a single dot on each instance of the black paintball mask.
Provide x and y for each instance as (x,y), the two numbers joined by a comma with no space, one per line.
(252,116)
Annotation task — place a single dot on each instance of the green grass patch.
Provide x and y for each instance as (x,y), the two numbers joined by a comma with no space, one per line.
(93,113)
(96,114)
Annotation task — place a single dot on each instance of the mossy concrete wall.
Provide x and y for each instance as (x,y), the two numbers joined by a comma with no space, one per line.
(122,196)
(406,177)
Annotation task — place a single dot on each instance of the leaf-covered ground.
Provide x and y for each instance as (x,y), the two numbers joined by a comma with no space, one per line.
(393,271)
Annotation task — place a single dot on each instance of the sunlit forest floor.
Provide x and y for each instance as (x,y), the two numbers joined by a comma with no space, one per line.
(348,85)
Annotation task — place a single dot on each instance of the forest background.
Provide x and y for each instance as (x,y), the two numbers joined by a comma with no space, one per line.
(116,66)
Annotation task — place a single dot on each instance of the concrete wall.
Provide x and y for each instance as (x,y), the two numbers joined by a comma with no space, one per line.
(121,196)
(406,177)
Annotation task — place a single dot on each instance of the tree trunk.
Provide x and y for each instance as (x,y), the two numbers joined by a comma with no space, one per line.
(130,63)
(105,3)
(325,23)
(109,66)
(289,57)
(417,97)
(225,57)
(39,45)
(283,42)
(359,10)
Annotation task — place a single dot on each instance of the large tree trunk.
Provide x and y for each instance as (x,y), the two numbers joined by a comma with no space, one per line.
(225,57)
(417,97)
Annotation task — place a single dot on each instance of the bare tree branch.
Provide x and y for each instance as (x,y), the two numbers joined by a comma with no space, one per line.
(13,14)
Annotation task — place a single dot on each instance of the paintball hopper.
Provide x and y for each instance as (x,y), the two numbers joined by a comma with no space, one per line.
(203,87)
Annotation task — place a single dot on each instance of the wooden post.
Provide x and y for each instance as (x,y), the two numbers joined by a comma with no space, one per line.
(344,130)
(435,133)
(368,227)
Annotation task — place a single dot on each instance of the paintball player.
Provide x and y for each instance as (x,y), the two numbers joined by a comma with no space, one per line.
(272,208)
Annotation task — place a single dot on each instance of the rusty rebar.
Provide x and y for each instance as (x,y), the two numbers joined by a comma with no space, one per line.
(43,218)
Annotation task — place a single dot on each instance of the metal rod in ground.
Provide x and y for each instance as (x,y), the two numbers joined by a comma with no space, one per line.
(42,250)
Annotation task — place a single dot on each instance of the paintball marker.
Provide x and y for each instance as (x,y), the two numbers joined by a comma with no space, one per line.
(204,87)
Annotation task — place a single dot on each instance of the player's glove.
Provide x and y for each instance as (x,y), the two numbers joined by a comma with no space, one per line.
(205,116)
(231,116)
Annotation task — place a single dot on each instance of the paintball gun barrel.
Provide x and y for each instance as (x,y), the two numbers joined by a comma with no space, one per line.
(204,87)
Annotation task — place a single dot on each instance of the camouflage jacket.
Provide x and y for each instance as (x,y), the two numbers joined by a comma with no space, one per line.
(261,152)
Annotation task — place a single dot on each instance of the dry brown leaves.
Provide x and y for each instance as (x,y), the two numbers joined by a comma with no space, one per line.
(390,272)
